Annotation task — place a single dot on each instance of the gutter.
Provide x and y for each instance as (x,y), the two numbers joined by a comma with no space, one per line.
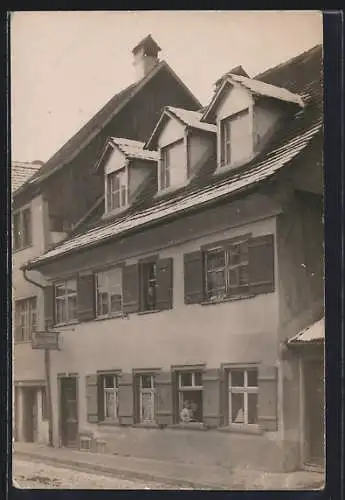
(24,268)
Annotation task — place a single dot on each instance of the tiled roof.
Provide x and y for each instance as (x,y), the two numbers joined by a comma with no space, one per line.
(21,172)
(192,119)
(134,149)
(296,137)
(313,333)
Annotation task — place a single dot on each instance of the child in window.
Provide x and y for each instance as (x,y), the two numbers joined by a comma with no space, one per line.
(186,414)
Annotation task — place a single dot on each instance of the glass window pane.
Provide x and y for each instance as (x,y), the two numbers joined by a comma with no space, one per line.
(237,378)
(60,310)
(72,307)
(71,286)
(109,381)
(215,283)
(215,259)
(191,406)
(115,303)
(252,377)
(237,408)
(252,408)
(186,379)
(198,378)
(243,275)
(26,227)
(110,404)
(146,381)
(147,407)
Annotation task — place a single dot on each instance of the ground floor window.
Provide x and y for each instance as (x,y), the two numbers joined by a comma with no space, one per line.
(109,384)
(243,395)
(146,394)
(190,392)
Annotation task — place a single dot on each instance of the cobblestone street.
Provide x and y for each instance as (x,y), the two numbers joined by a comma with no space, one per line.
(30,474)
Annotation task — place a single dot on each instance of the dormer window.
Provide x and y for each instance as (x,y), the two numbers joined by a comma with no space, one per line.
(117,191)
(172,163)
(236,138)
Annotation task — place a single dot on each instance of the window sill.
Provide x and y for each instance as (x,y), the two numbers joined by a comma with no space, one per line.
(22,341)
(171,189)
(112,316)
(242,429)
(195,426)
(69,323)
(150,311)
(114,212)
(226,167)
(226,299)
(146,425)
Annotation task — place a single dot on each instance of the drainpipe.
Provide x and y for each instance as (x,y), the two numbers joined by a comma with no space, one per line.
(46,367)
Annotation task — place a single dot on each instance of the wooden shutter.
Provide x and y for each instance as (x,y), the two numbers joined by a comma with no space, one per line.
(261,264)
(91,382)
(49,307)
(193,277)
(268,400)
(211,397)
(164,390)
(164,289)
(131,293)
(86,297)
(125,392)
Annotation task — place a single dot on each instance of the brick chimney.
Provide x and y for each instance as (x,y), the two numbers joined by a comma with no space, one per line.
(145,56)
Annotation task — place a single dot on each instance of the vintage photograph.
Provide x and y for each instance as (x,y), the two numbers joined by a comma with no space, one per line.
(167,250)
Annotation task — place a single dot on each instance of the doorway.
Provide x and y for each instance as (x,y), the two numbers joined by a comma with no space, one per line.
(315,409)
(68,411)
(30,414)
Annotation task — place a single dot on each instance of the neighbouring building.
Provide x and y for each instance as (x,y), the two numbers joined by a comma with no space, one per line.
(177,296)
(53,199)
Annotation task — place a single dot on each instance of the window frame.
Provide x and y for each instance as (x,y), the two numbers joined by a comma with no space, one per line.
(182,389)
(165,166)
(109,390)
(31,325)
(144,285)
(122,173)
(230,290)
(226,155)
(139,395)
(245,390)
(22,239)
(105,272)
(64,298)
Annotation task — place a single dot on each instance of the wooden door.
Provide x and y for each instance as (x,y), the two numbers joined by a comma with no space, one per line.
(315,406)
(69,411)
(30,414)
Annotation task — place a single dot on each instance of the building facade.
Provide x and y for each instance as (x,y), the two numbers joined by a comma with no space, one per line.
(51,200)
(177,296)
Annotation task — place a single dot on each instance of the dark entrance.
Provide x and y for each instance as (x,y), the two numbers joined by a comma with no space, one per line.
(30,414)
(314,401)
(69,411)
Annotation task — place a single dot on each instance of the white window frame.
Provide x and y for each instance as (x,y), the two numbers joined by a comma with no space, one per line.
(109,288)
(229,288)
(152,392)
(110,191)
(245,390)
(64,298)
(28,314)
(165,166)
(225,137)
(186,388)
(24,238)
(113,391)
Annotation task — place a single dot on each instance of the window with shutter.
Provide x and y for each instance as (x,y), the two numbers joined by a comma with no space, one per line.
(65,293)
(164,281)
(145,398)
(190,396)
(193,278)
(261,264)
(268,401)
(211,397)
(165,400)
(243,391)
(49,303)
(91,382)
(22,229)
(25,319)
(109,292)
(125,394)
(86,297)
(131,291)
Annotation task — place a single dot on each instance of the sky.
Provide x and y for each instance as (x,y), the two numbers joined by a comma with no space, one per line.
(65,65)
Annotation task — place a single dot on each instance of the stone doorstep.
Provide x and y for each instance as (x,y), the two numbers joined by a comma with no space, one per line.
(238,480)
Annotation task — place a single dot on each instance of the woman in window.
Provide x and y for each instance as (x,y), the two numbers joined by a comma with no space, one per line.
(186,412)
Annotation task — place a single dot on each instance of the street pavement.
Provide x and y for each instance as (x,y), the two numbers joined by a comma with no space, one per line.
(30,474)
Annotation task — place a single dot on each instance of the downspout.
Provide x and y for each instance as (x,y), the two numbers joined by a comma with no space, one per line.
(46,366)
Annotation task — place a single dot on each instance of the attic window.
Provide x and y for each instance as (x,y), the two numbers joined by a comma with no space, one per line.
(117,190)
(236,140)
(172,163)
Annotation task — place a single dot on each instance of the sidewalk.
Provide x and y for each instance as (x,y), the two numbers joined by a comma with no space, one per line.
(195,476)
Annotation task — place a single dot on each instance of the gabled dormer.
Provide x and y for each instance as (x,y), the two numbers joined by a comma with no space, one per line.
(127,168)
(246,113)
(184,144)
